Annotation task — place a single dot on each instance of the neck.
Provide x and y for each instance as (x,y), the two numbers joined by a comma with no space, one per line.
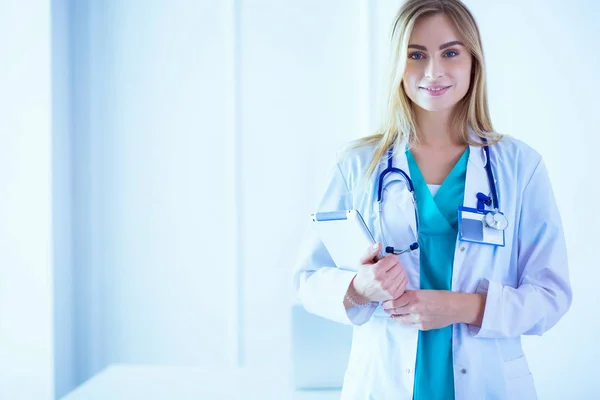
(434,129)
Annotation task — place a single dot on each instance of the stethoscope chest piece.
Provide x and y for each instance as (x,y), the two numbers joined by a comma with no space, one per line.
(495,220)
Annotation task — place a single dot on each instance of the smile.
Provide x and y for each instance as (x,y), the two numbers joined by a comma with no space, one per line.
(436,90)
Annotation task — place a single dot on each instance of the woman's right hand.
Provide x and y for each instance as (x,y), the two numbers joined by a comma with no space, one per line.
(382,280)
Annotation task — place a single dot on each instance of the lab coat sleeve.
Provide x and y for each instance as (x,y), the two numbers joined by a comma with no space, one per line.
(543,294)
(321,286)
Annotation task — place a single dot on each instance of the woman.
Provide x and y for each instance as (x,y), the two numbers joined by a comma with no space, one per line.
(443,321)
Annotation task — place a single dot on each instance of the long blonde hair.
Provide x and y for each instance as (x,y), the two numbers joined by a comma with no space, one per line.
(398,124)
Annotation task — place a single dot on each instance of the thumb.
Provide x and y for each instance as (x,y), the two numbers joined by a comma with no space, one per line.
(372,251)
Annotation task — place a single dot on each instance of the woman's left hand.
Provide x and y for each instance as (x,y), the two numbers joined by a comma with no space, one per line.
(435,309)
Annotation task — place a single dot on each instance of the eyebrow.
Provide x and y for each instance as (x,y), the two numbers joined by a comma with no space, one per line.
(442,47)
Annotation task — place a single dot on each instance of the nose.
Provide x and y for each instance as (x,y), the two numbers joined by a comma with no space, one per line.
(434,68)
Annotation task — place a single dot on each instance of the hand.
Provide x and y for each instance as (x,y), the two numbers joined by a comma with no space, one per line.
(379,281)
(435,309)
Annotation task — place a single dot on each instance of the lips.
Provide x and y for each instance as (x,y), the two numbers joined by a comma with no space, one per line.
(434,88)
(436,91)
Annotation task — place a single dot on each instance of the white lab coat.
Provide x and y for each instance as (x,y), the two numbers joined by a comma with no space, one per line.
(526,282)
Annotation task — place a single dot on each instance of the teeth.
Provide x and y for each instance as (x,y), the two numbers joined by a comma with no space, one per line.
(435,90)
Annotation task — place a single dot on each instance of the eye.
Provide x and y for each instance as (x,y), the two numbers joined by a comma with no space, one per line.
(416,56)
(450,52)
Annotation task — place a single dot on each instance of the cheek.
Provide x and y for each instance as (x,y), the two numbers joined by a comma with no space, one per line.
(465,83)
(464,72)
(409,81)
(411,73)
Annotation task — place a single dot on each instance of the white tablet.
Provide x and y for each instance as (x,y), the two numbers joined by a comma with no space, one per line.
(345,235)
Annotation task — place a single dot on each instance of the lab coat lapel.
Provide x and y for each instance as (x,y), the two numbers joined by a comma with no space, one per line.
(393,221)
(401,162)
(476,181)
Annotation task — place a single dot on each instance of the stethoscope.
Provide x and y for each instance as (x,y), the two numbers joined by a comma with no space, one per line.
(493,219)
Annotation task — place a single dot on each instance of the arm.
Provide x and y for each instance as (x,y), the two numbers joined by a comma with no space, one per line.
(470,308)
(320,285)
(544,293)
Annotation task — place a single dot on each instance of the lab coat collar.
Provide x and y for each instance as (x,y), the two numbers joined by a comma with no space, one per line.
(400,160)
(477,179)
(477,154)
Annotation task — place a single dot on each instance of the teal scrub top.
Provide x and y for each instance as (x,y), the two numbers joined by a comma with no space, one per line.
(438,227)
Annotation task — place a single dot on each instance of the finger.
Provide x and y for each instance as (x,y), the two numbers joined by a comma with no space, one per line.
(401,301)
(370,254)
(395,277)
(408,309)
(394,289)
(400,288)
(387,263)
(389,304)
(400,317)
(396,273)
(408,318)
(403,319)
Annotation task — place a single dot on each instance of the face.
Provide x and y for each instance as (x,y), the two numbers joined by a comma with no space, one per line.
(438,69)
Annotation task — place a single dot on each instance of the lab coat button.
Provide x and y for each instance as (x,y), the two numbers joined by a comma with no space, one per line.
(462,248)
(463,371)
(408,370)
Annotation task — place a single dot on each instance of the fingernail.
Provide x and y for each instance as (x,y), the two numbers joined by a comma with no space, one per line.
(374,247)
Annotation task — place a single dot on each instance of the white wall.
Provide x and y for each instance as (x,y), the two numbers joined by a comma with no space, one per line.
(179,113)
(26,301)
(153,187)
(193,122)
(301,95)
(62,200)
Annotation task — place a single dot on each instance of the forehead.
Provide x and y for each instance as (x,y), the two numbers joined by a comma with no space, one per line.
(435,30)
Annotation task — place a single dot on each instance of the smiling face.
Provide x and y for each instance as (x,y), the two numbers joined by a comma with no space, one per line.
(438,69)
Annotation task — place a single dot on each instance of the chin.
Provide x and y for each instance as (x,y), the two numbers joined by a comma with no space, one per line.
(433,107)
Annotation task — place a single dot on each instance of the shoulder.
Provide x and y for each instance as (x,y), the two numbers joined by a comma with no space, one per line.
(350,154)
(512,151)
(354,161)
(516,160)
(511,147)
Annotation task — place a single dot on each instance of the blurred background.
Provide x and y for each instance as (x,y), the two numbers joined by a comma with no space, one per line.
(159,159)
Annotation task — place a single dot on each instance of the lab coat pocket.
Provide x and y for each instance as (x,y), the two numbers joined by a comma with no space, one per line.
(356,362)
(519,380)
(353,377)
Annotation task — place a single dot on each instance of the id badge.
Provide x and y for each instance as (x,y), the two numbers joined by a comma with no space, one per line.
(472,228)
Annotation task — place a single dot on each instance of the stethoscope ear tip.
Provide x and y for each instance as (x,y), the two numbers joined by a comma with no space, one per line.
(391,250)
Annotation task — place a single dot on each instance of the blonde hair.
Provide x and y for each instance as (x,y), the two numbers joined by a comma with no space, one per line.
(398,124)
